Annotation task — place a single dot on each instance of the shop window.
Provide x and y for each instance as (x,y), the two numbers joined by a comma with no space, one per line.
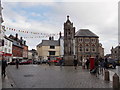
(51,52)
(52,47)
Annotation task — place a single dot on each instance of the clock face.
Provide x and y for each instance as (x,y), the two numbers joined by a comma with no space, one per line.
(68,23)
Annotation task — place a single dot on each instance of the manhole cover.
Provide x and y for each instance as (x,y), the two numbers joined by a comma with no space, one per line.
(28,75)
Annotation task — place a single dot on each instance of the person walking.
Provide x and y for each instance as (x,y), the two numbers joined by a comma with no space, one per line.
(106,63)
(101,65)
(17,63)
(87,63)
(75,64)
(4,65)
(97,66)
(61,62)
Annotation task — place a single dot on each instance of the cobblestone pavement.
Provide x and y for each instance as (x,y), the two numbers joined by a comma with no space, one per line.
(44,76)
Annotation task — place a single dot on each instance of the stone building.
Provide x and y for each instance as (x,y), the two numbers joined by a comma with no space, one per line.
(101,51)
(87,44)
(32,55)
(48,49)
(115,53)
(69,33)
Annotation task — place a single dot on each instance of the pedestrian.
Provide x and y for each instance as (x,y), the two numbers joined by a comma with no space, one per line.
(106,63)
(49,63)
(17,63)
(87,63)
(97,66)
(61,62)
(4,65)
(83,63)
(75,64)
(101,64)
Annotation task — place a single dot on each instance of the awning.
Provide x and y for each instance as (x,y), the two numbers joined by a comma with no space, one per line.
(5,54)
(1,53)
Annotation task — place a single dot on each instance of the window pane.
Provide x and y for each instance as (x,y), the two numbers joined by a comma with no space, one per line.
(51,52)
(52,47)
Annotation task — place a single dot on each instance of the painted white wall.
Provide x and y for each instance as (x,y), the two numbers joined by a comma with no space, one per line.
(61,47)
(7,46)
(29,55)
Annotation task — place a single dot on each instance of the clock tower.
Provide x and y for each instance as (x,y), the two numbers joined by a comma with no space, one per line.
(69,33)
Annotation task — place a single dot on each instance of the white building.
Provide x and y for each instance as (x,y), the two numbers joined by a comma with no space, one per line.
(61,46)
(2,34)
(29,55)
(32,54)
(7,49)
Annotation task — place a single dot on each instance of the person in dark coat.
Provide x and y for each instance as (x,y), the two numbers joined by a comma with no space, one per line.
(87,63)
(4,65)
(61,61)
(106,63)
(17,63)
(75,64)
(97,66)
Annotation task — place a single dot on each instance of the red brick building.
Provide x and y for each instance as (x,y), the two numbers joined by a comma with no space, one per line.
(20,49)
(17,51)
(25,51)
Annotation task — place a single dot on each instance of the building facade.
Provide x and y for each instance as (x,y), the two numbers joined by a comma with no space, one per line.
(101,51)
(69,33)
(2,32)
(25,48)
(17,50)
(48,49)
(115,53)
(30,55)
(20,49)
(7,49)
(87,44)
(33,55)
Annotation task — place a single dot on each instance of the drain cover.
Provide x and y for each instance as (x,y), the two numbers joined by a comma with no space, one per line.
(28,75)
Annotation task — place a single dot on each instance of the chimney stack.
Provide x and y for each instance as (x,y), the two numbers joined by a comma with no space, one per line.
(16,35)
(52,38)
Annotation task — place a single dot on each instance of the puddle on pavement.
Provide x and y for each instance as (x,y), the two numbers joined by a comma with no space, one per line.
(29,75)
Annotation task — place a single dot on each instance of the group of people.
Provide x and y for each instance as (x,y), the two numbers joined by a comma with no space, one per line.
(4,65)
(99,64)
(75,62)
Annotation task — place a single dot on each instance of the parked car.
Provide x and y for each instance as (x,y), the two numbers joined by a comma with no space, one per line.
(111,63)
(117,62)
(44,61)
(38,62)
(25,62)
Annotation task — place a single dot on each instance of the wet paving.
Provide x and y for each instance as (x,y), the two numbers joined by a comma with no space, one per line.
(44,76)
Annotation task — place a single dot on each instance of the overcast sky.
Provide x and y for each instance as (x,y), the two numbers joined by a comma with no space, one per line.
(48,17)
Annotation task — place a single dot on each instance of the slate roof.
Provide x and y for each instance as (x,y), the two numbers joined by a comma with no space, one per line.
(85,33)
(49,43)
(15,43)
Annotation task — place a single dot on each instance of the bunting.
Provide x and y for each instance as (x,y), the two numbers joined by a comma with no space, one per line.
(29,32)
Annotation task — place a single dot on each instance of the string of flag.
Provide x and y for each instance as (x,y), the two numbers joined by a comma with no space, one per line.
(37,37)
(29,32)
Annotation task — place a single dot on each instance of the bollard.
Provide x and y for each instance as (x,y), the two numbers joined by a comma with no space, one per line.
(106,76)
(115,81)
